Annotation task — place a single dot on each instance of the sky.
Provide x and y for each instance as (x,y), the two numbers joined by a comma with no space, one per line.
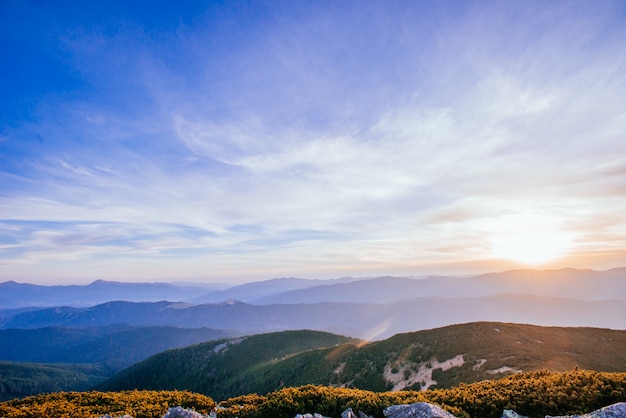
(236,141)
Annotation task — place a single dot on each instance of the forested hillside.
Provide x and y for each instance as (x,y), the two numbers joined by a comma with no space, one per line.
(437,358)
(224,367)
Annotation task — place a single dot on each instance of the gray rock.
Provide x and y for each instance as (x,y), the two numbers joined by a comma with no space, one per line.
(348,413)
(315,415)
(180,412)
(617,410)
(509,413)
(110,416)
(416,410)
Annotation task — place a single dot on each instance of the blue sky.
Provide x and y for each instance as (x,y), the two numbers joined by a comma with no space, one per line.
(235,141)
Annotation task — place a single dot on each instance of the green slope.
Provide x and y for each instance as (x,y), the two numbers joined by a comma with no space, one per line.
(24,379)
(222,368)
(441,357)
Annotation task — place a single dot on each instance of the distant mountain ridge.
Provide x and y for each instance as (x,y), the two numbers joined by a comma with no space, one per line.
(249,292)
(441,357)
(366,320)
(587,285)
(18,295)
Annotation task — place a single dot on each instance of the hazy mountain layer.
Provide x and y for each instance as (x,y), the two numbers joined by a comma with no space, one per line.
(117,346)
(369,321)
(587,285)
(440,357)
(17,295)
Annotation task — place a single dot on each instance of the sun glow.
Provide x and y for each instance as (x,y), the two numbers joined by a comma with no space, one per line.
(529,240)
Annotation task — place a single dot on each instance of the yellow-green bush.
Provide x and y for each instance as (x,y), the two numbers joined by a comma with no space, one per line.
(537,394)
(533,394)
(139,404)
(328,401)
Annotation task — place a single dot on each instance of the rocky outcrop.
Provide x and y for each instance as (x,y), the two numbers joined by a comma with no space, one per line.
(416,410)
(617,410)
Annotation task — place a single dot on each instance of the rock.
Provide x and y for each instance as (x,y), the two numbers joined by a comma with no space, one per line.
(110,416)
(180,412)
(416,410)
(315,415)
(509,413)
(617,410)
(349,413)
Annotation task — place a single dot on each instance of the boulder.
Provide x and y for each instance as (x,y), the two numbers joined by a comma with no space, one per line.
(180,412)
(349,413)
(509,413)
(109,416)
(315,415)
(416,410)
(617,410)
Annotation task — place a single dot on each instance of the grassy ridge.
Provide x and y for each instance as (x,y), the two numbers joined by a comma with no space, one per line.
(533,394)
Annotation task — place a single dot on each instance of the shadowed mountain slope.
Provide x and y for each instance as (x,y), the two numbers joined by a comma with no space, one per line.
(117,346)
(221,367)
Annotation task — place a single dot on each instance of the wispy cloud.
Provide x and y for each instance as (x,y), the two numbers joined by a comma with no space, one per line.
(299,139)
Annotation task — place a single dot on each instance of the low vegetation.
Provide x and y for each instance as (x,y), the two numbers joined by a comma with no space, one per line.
(139,404)
(534,394)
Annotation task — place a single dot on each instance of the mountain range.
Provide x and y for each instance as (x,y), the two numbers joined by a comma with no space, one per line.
(361,320)
(19,295)
(589,285)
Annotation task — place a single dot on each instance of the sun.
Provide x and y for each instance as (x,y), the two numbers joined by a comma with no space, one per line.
(530,247)
(528,240)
